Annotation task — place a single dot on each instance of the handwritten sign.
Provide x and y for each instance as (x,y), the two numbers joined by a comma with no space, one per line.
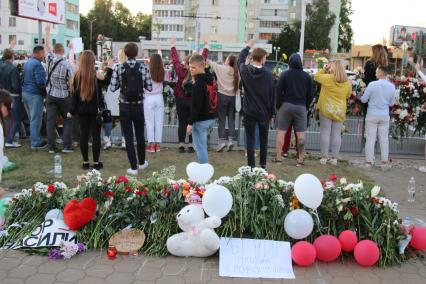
(77,43)
(255,259)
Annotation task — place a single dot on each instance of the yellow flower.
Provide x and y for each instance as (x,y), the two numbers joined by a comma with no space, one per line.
(295,203)
(284,57)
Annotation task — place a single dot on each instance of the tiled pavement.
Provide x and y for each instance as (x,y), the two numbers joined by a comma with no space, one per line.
(93,267)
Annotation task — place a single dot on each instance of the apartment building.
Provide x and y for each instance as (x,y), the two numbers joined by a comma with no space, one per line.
(25,31)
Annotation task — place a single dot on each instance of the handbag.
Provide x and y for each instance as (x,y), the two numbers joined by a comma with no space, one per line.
(103,115)
(238,101)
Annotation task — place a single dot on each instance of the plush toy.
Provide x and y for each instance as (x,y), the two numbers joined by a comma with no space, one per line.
(198,237)
(78,213)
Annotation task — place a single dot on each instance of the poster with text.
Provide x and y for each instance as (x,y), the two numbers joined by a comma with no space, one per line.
(52,11)
(255,259)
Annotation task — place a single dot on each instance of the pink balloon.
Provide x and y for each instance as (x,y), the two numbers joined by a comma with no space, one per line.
(348,240)
(418,240)
(303,253)
(328,248)
(366,253)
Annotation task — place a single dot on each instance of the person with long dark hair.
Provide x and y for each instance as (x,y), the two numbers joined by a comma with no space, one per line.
(379,58)
(183,94)
(154,104)
(87,103)
(228,79)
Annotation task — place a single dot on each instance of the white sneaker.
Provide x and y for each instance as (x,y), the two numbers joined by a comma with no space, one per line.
(220,147)
(12,145)
(230,146)
(107,142)
(123,143)
(132,172)
(422,169)
(144,166)
(333,162)
(323,161)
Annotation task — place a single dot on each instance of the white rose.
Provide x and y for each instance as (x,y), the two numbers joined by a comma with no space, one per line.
(346,200)
(343,181)
(375,191)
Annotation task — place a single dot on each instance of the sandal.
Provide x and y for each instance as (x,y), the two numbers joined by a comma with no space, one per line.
(300,163)
(277,161)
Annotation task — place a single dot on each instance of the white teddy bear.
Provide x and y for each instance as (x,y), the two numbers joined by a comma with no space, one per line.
(198,237)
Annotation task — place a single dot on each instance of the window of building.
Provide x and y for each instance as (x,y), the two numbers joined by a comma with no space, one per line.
(293,3)
(20,42)
(267,1)
(250,36)
(266,12)
(292,16)
(214,29)
(275,12)
(215,2)
(265,36)
(251,25)
(270,24)
(12,22)
(0,39)
(12,38)
(72,25)
(71,8)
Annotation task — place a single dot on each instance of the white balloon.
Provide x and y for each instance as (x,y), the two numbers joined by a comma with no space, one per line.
(54,214)
(309,190)
(217,201)
(199,173)
(298,224)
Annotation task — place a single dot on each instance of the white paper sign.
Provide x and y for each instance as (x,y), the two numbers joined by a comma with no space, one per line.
(255,259)
(77,44)
(50,233)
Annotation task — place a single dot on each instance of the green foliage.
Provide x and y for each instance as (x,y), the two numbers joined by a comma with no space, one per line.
(114,20)
(345,30)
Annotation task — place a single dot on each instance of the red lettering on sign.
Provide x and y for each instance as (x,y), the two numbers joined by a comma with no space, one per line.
(53,9)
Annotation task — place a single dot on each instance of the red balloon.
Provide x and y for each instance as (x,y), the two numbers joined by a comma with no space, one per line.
(303,253)
(366,253)
(328,248)
(418,240)
(348,240)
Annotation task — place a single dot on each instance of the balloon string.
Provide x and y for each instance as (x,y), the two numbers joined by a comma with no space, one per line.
(315,212)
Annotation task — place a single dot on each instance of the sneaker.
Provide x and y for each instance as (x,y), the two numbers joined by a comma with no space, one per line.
(333,162)
(132,172)
(67,150)
(52,150)
(144,166)
(230,146)
(284,155)
(42,145)
(12,145)
(107,142)
(191,149)
(181,150)
(323,161)
(123,143)
(150,149)
(220,147)
(422,169)
(157,148)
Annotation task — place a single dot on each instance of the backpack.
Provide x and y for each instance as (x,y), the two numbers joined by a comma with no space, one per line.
(132,83)
(213,94)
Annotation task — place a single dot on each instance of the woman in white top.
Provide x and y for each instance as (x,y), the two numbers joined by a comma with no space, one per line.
(154,104)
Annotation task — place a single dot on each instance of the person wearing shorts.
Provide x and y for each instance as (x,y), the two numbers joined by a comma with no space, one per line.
(293,97)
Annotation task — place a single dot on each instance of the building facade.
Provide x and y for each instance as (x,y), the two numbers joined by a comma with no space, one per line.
(228,21)
(25,31)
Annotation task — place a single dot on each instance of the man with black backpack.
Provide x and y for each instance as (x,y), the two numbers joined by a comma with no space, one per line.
(58,100)
(132,78)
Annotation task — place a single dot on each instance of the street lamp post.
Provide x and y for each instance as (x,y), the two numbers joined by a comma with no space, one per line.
(276,49)
(91,33)
(302,30)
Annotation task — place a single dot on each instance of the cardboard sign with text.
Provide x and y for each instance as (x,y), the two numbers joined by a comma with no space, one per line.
(255,259)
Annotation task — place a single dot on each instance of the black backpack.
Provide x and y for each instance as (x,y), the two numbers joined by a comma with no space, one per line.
(132,83)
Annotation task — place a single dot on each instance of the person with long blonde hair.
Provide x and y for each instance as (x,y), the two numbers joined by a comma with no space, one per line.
(335,90)
(379,58)
(87,102)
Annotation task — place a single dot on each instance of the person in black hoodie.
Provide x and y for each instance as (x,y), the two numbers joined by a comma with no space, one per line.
(294,96)
(259,100)
(201,119)
(87,101)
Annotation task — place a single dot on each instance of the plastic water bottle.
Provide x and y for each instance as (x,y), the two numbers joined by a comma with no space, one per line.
(411,190)
(58,166)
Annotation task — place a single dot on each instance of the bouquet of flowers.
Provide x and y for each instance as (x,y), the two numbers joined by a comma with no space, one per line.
(354,106)
(409,111)
(66,251)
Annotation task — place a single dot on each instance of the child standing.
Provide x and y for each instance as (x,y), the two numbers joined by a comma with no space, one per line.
(201,119)
(380,95)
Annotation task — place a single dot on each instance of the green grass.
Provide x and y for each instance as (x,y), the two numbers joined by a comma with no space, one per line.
(34,166)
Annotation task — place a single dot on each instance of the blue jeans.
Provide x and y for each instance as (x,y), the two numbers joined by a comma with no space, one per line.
(34,107)
(17,119)
(256,138)
(200,131)
(108,128)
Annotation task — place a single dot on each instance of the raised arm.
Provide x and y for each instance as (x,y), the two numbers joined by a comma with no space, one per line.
(205,52)
(179,68)
(244,53)
(322,77)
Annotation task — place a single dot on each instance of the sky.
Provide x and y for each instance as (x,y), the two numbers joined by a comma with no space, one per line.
(371,21)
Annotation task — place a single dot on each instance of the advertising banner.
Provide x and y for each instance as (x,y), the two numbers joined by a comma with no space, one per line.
(52,11)
(401,34)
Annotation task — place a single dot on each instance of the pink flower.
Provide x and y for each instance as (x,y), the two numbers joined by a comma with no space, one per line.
(272,177)
(258,185)
(333,177)
(175,186)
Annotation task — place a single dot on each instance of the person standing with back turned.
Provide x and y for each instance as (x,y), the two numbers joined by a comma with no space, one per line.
(259,100)
(132,78)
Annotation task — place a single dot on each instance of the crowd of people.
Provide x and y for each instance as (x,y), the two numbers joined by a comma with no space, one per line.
(205,90)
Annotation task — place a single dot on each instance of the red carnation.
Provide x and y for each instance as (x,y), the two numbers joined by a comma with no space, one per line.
(121,179)
(345,223)
(128,188)
(323,182)
(333,177)
(166,192)
(141,192)
(375,200)
(109,194)
(354,211)
(51,188)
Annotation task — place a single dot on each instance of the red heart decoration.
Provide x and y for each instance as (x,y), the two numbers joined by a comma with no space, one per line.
(78,214)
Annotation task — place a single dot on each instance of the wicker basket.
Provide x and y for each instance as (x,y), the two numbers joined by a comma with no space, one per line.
(128,240)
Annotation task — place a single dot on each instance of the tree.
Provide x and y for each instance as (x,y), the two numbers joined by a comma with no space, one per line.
(345,29)
(113,19)
(319,21)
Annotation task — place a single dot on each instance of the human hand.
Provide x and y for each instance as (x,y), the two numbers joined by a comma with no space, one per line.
(110,63)
(251,42)
(13,43)
(206,43)
(173,41)
(189,129)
